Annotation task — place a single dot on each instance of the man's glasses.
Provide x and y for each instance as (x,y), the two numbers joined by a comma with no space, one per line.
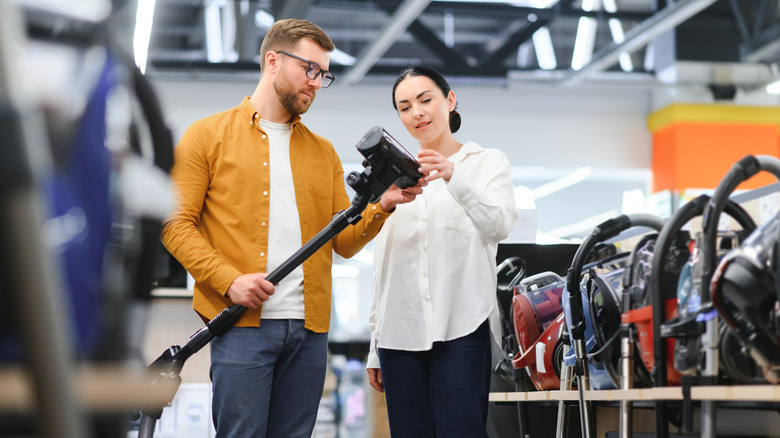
(313,70)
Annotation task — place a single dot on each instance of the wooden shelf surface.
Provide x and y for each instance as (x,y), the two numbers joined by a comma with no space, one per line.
(761,393)
(100,389)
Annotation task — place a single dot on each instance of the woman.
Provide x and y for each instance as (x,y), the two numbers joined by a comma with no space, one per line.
(434,314)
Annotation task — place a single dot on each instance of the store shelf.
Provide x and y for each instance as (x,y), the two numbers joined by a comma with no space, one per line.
(761,393)
(100,389)
(171,292)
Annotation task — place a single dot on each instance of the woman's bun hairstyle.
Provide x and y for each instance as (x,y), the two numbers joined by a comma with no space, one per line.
(454,121)
(440,82)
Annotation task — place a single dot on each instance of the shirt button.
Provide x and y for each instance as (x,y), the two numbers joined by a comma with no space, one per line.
(265,193)
(265,163)
(374,207)
(262,224)
(263,135)
(376,215)
(262,254)
(251,124)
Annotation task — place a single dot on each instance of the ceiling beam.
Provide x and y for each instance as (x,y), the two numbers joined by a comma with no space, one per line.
(764,48)
(637,37)
(493,60)
(498,10)
(406,13)
(282,9)
(247,33)
(429,39)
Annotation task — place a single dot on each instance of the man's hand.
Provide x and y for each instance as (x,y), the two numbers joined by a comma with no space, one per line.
(375,379)
(250,290)
(395,196)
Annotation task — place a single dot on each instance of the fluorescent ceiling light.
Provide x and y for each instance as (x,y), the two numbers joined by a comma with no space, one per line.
(144,17)
(616,28)
(519,3)
(583,42)
(543,46)
(341,57)
(583,226)
(618,36)
(213,24)
(589,5)
(449,29)
(265,20)
(585,38)
(774,87)
(569,180)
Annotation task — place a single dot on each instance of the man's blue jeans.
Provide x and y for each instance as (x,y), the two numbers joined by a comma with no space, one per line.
(267,382)
(442,392)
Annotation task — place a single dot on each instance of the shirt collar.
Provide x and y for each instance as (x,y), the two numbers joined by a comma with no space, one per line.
(250,113)
(468,148)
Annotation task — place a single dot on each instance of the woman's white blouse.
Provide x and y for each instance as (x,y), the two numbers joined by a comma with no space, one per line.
(435,258)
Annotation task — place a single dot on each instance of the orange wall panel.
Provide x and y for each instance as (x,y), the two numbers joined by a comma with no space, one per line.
(697,155)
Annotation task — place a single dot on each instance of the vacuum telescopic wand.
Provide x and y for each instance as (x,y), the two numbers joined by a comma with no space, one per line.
(386,163)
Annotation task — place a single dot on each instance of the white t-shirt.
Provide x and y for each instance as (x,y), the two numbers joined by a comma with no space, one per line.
(284,228)
(435,258)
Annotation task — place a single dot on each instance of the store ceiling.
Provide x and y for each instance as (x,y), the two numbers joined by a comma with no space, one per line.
(493,41)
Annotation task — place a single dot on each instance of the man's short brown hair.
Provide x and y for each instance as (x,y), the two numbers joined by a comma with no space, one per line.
(285,34)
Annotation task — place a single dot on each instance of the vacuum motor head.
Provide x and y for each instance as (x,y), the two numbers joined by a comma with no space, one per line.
(388,161)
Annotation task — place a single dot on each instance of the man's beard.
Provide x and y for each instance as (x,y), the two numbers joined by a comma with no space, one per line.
(289,97)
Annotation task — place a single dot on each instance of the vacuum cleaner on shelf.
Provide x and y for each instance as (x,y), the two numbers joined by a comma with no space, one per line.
(744,286)
(508,273)
(580,310)
(740,172)
(538,325)
(698,320)
(386,163)
(745,294)
(676,332)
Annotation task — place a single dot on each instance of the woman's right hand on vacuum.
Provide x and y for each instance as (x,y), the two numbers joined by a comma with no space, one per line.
(250,290)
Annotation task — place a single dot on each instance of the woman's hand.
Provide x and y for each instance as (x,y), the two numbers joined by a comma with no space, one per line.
(435,165)
(395,196)
(375,379)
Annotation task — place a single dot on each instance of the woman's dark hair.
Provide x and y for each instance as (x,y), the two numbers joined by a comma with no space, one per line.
(440,82)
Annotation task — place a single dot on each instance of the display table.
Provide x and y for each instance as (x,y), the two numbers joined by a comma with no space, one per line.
(763,393)
(104,389)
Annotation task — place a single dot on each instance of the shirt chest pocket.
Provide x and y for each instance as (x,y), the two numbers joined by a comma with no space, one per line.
(319,178)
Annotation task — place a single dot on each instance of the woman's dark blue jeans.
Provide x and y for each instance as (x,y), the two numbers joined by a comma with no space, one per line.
(441,392)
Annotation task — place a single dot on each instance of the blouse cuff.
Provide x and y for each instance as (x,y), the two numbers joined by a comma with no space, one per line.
(373,357)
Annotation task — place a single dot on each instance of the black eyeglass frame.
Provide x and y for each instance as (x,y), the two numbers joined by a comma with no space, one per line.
(325,73)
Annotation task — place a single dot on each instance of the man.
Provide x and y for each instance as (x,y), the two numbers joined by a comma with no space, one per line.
(254,185)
